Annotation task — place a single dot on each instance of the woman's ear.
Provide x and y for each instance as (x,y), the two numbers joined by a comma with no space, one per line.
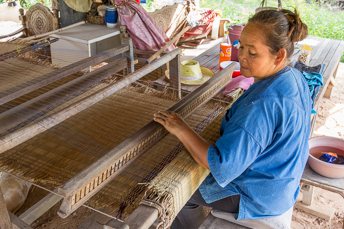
(281,56)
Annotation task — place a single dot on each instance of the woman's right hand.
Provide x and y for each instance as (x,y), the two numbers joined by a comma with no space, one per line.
(172,122)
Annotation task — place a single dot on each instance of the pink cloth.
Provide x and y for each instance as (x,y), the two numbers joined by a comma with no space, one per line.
(238,82)
(141,27)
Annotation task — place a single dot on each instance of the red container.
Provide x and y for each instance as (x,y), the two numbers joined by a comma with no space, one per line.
(234,36)
(138,2)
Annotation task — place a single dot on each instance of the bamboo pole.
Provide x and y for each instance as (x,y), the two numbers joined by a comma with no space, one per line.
(63,72)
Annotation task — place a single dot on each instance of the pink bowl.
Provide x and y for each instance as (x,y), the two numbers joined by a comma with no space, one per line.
(318,145)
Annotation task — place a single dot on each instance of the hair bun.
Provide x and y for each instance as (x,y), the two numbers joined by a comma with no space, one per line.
(297,29)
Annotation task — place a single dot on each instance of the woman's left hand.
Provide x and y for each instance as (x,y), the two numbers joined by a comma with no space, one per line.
(171,121)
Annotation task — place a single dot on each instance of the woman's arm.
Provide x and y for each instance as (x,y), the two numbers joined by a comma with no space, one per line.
(195,144)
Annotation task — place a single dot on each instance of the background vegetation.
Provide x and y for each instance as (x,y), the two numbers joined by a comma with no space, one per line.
(27,3)
(323,20)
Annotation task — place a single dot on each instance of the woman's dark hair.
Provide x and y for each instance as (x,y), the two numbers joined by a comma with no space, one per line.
(282,28)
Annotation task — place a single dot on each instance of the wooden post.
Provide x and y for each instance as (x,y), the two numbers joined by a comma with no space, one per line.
(174,72)
(5,221)
(131,56)
(22,17)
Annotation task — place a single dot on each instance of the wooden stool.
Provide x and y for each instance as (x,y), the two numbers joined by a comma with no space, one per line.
(224,220)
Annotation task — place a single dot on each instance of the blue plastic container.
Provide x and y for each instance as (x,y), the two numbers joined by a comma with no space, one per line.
(111,16)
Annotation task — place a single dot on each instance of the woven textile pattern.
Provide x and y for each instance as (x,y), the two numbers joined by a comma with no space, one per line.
(53,157)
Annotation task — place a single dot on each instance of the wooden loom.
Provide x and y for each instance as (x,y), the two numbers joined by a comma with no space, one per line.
(90,181)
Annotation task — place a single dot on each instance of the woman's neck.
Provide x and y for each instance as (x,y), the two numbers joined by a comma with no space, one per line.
(276,70)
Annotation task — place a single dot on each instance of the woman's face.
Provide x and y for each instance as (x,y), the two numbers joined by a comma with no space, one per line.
(255,57)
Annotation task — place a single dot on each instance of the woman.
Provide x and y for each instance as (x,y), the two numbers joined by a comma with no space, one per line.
(256,164)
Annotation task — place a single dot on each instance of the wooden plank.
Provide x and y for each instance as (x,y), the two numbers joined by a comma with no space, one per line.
(319,210)
(209,53)
(210,59)
(124,153)
(333,66)
(143,217)
(17,223)
(175,75)
(319,52)
(331,61)
(39,208)
(332,185)
(212,222)
(63,72)
(5,221)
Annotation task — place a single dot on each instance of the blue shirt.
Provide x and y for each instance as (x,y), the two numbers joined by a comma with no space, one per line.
(263,147)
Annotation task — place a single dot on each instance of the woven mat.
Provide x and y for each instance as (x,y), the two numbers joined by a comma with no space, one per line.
(6,47)
(53,157)
(16,73)
(137,177)
(56,155)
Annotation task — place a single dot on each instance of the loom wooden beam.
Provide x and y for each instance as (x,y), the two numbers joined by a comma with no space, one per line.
(143,217)
(86,184)
(32,127)
(15,138)
(5,221)
(65,71)
(18,223)
(39,208)
(36,46)
(60,95)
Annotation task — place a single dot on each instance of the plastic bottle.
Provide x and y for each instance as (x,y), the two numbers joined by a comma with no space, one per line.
(225,49)
(305,55)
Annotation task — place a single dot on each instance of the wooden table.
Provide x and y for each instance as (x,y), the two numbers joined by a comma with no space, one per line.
(327,52)
(82,41)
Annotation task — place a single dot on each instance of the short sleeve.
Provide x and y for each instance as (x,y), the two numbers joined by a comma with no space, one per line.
(245,135)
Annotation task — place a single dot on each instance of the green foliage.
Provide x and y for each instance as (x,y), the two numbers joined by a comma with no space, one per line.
(28,3)
(321,21)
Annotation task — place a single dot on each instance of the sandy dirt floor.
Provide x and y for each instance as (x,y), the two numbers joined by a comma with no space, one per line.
(330,122)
